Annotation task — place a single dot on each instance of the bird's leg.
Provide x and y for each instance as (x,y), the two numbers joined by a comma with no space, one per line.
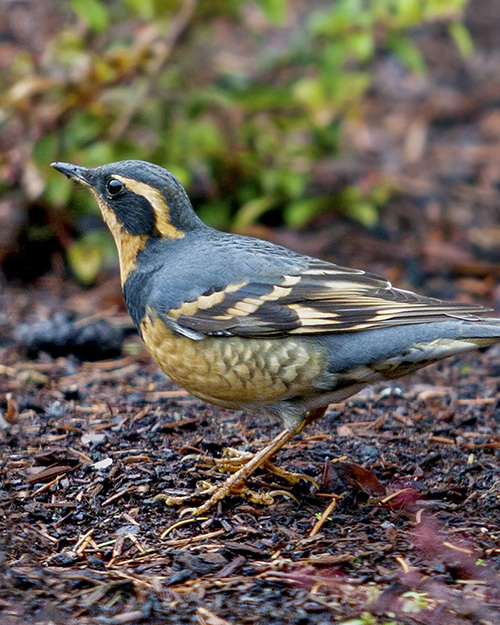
(235,482)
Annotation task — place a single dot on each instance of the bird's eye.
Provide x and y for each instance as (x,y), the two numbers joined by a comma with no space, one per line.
(114,187)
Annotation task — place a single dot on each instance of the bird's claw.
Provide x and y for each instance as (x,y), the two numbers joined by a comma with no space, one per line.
(263,499)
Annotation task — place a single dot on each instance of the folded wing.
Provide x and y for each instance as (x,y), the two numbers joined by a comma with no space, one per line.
(323,298)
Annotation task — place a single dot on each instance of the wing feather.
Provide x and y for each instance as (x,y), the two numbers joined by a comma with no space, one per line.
(322,298)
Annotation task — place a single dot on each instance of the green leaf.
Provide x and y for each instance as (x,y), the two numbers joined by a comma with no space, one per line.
(364,212)
(94,12)
(362,45)
(215,214)
(57,188)
(299,213)
(407,53)
(310,92)
(98,153)
(46,150)
(405,13)
(144,8)
(85,261)
(340,18)
(183,175)
(253,210)
(82,129)
(366,618)
(274,10)
(346,88)
(87,255)
(462,38)
(441,9)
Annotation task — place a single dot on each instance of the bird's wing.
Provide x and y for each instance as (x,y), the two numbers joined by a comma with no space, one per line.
(322,298)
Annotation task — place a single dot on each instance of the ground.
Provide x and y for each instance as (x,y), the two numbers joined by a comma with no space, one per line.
(402,528)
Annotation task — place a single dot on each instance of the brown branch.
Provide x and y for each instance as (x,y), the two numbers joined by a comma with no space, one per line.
(179,26)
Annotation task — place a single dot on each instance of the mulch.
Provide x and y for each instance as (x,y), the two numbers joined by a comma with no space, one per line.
(403,520)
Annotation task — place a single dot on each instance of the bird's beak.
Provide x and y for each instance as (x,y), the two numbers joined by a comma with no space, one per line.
(74,172)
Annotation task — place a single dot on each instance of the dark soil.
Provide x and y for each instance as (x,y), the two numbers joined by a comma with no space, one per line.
(86,447)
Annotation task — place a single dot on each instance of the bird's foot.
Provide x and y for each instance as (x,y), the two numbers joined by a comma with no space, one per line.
(289,476)
(220,492)
(233,459)
(223,490)
(206,489)
(203,489)
(245,464)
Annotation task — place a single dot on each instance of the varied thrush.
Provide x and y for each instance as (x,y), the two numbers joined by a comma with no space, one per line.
(247,324)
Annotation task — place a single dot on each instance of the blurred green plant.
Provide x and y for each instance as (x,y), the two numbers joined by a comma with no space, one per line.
(238,99)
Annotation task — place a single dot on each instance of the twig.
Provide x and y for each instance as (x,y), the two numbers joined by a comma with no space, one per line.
(178,27)
(177,524)
(183,542)
(320,522)
(403,564)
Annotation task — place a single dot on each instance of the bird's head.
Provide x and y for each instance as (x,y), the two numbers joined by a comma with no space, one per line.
(138,200)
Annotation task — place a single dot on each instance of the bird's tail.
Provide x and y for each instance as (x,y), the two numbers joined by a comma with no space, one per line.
(485,332)
(461,337)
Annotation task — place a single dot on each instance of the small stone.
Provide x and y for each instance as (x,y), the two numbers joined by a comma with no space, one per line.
(92,439)
(370,452)
(102,464)
(57,409)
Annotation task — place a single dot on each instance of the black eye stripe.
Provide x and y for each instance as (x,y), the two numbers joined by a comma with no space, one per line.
(114,187)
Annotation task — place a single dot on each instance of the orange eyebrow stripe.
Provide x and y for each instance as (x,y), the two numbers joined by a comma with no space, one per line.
(157,202)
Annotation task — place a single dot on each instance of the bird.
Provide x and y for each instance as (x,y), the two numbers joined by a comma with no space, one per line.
(249,325)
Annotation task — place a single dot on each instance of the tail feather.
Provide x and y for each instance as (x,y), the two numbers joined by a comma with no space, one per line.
(399,350)
(488,328)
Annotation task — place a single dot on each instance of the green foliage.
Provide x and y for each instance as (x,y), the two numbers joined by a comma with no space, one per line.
(274,10)
(238,99)
(94,12)
(87,255)
(462,38)
(414,602)
(364,619)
